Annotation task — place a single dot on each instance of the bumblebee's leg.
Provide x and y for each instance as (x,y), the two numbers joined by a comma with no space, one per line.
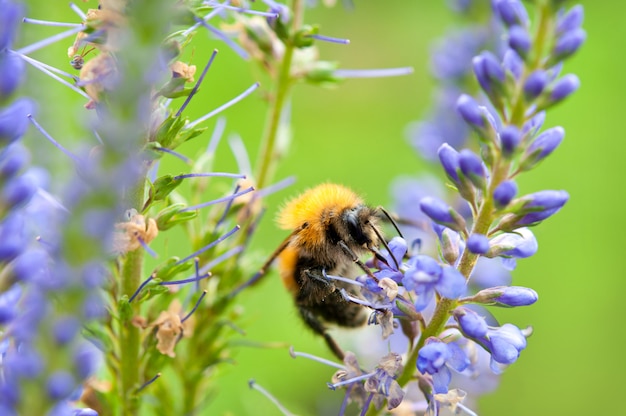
(356,260)
(317,327)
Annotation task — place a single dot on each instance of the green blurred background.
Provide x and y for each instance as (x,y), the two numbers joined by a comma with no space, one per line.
(355,135)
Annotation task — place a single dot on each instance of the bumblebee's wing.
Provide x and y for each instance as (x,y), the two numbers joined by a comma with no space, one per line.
(263,270)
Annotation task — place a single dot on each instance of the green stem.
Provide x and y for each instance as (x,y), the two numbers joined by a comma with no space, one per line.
(279,97)
(129,336)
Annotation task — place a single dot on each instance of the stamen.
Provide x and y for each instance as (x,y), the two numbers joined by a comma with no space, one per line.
(296,354)
(206,18)
(173,153)
(466,409)
(95,133)
(221,35)
(342,279)
(49,23)
(217,201)
(330,39)
(141,286)
(225,256)
(48,70)
(78,11)
(243,10)
(202,175)
(224,106)
(195,87)
(195,307)
(44,242)
(349,381)
(278,186)
(373,73)
(147,383)
(54,142)
(182,282)
(51,199)
(146,247)
(52,39)
(218,131)
(241,154)
(358,301)
(366,405)
(344,402)
(210,245)
(226,209)
(253,385)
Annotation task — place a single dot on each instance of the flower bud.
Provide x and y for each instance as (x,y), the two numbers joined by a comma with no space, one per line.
(519,40)
(564,87)
(511,12)
(504,193)
(489,73)
(442,213)
(10,18)
(450,160)
(471,323)
(469,109)
(18,191)
(450,245)
(478,244)
(513,63)
(568,44)
(520,244)
(571,20)
(13,120)
(12,159)
(473,168)
(542,147)
(510,137)
(12,70)
(535,84)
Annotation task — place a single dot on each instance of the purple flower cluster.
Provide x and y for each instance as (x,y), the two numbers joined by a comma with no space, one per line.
(440,301)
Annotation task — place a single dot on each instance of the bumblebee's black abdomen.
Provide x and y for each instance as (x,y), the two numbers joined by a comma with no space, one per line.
(322,298)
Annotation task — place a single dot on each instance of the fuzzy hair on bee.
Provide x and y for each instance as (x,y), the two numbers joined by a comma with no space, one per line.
(331,226)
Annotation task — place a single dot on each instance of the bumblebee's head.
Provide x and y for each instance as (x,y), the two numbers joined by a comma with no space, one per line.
(359,223)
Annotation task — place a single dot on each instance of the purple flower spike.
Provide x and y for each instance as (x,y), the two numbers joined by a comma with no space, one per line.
(12,70)
(504,193)
(568,44)
(571,20)
(450,160)
(470,111)
(18,191)
(13,237)
(13,120)
(535,84)
(564,87)
(442,213)
(511,12)
(472,324)
(473,168)
(478,244)
(519,40)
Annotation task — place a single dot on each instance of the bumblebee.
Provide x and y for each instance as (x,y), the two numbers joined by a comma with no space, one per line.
(331,226)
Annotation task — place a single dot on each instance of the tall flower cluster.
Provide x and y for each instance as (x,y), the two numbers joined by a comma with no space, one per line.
(454,343)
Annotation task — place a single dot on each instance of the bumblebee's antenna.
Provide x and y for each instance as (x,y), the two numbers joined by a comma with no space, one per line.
(391,220)
(384,243)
